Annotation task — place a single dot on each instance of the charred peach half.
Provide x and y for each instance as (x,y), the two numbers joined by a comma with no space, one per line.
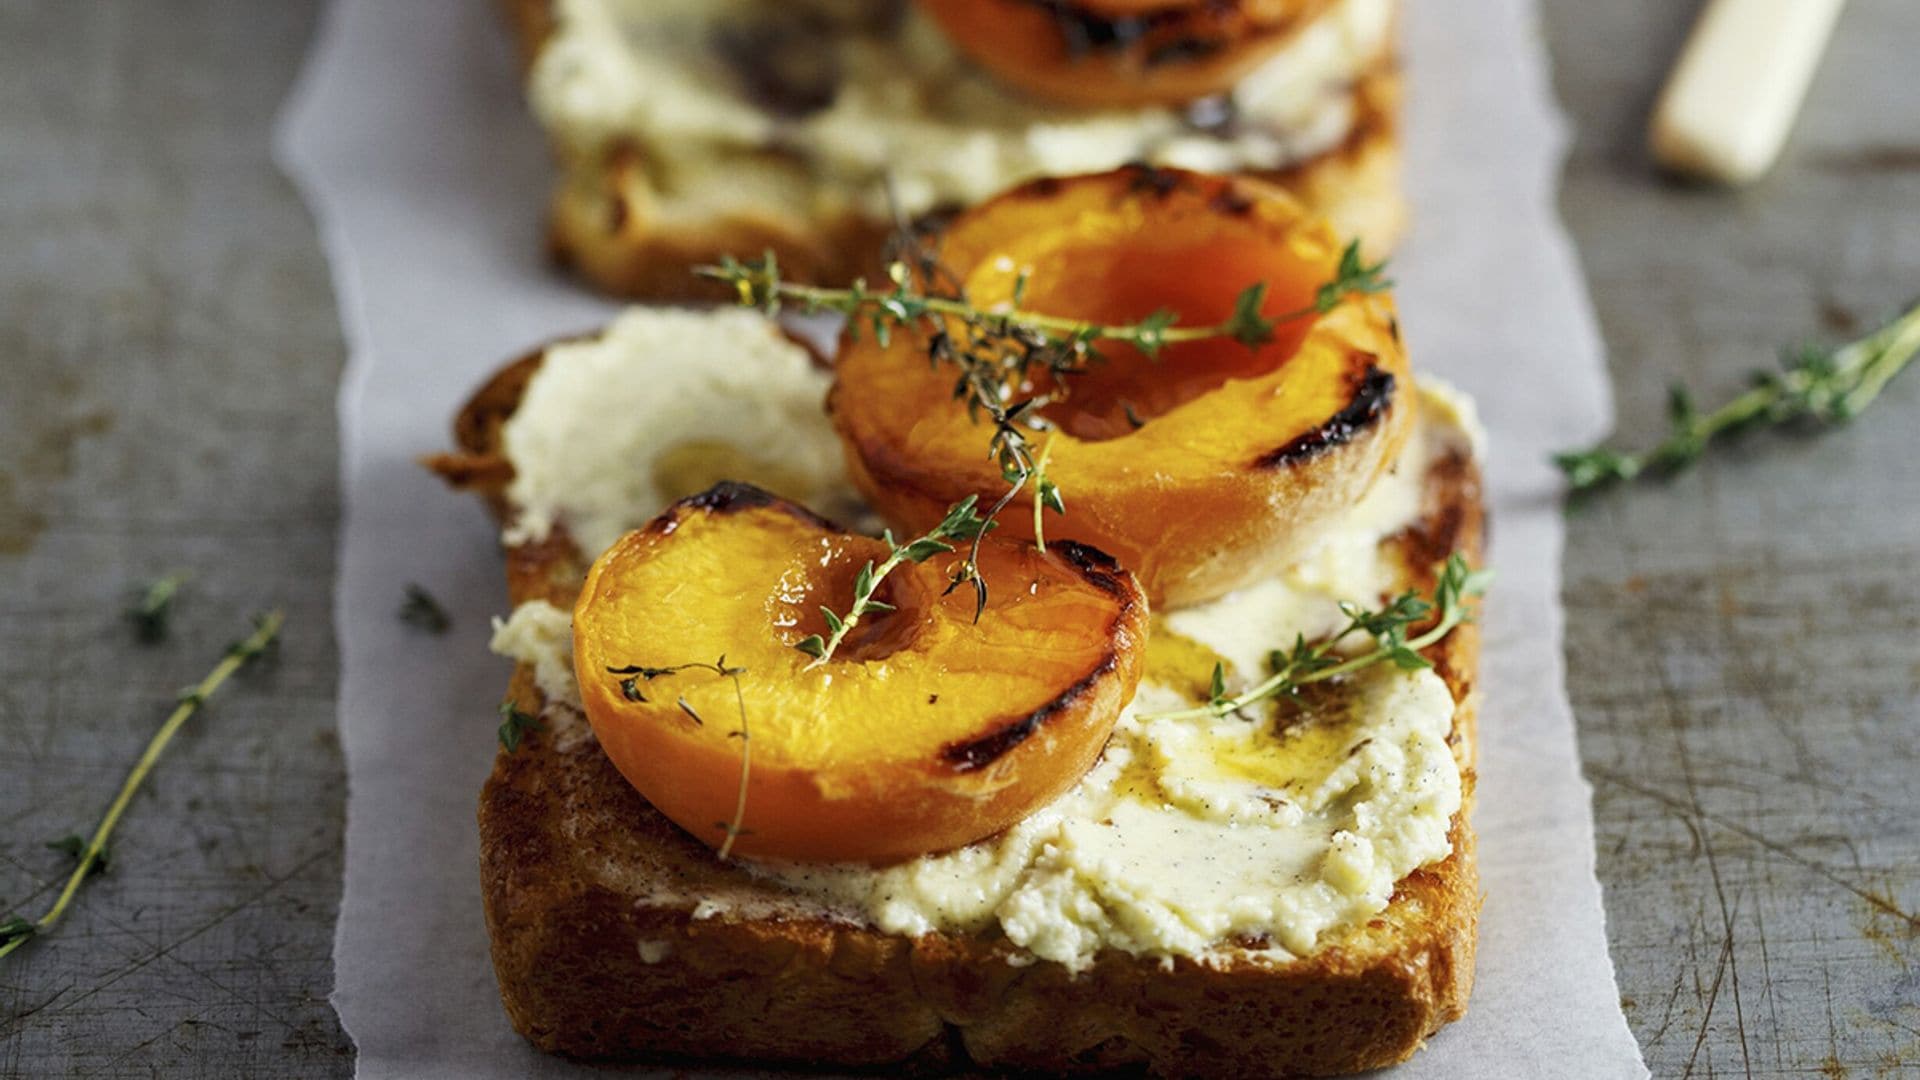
(926,730)
(1119,53)
(1201,469)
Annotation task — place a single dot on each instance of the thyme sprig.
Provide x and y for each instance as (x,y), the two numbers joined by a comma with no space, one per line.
(1389,628)
(1817,386)
(905,305)
(17,930)
(997,352)
(960,524)
(152,610)
(634,675)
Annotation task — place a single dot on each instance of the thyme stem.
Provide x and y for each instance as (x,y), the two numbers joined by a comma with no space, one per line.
(759,284)
(746,768)
(17,931)
(631,678)
(838,626)
(1826,387)
(1046,494)
(1058,327)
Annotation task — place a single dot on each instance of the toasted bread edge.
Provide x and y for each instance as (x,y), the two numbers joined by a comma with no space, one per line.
(630,972)
(598,226)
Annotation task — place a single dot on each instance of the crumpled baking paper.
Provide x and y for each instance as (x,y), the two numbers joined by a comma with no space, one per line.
(410,138)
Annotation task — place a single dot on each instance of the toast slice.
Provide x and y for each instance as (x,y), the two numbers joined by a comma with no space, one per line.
(607,943)
(609,223)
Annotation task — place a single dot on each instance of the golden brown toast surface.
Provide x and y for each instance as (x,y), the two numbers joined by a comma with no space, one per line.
(603,947)
(600,227)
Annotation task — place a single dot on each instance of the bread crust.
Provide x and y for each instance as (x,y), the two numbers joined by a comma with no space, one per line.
(601,224)
(594,907)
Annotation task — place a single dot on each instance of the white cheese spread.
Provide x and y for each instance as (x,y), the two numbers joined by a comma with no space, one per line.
(1347,564)
(541,635)
(1190,835)
(900,103)
(662,405)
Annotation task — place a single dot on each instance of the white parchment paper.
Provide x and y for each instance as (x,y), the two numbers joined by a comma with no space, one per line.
(409,136)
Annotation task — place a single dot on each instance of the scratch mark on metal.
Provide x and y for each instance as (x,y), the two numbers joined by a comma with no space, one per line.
(166,951)
(1884,904)
(1676,714)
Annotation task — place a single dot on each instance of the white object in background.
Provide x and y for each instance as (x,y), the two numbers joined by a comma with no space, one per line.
(1739,83)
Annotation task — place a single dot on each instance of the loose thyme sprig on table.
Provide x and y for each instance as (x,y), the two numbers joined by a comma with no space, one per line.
(1312,662)
(1817,386)
(631,678)
(997,351)
(960,524)
(15,931)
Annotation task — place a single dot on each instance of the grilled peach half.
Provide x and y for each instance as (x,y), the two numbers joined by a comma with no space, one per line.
(1121,53)
(1200,470)
(924,731)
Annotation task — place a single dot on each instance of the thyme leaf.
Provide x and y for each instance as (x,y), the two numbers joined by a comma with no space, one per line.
(1354,276)
(14,931)
(514,725)
(152,610)
(1150,333)
(1246,325)
(1814,387)
(72,844)
(422,610)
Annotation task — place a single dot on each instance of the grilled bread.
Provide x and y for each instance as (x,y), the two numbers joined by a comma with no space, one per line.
(617,936)
(611,221)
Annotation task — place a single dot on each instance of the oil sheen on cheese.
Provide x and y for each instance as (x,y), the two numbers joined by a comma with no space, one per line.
(1193,833)
(873,95)
(1190,836)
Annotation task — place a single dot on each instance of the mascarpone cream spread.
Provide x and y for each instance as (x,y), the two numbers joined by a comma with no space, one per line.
(815,105)
(1190,835)
(663,404)
(1193,833)
(540,634)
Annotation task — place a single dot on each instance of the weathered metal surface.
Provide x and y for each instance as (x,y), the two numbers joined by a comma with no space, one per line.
(168,358)
(1744,644)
